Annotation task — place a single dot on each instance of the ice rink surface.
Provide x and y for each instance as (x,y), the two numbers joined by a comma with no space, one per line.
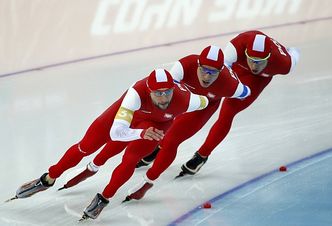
(48,99)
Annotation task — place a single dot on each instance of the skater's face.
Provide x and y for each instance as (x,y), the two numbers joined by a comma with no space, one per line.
(162,97)
(207,75)
(256,65)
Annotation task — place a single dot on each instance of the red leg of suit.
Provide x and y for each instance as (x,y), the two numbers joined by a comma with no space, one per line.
(108,151)
(96,136)
(230,107)
(135,151)
(183,127)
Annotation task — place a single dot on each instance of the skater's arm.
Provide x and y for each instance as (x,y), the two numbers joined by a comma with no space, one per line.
(120,130)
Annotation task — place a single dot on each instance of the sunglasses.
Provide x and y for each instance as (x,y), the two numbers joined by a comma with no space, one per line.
(256,60)
(166,92)
(209,71)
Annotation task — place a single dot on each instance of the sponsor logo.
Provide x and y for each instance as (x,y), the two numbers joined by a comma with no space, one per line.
(279,47)
(167,115)
(128,16)
(211,95)
(265,75)
(189,86)
(147,112)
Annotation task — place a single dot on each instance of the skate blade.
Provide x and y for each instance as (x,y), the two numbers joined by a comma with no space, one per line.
(127,199)
(84,218)
(64,187)
(181,174)
(11,199)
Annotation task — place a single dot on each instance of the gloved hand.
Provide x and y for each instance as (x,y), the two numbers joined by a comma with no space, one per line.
(295,56)
(152,133)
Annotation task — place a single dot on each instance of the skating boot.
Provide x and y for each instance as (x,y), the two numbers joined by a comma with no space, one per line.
(193,165)
(89,171)
(96,206)
(147,160)
(139,191)
(32,187)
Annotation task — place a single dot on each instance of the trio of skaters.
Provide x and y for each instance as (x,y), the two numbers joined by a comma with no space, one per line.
(156,114)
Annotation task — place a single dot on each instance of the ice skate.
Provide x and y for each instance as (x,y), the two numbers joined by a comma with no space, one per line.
(88,172)
(193,165)
(31,188)
(147,160)
(139,191)
(143,162)
(94,209)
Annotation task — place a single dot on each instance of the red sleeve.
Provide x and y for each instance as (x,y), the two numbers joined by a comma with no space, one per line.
(281,60)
